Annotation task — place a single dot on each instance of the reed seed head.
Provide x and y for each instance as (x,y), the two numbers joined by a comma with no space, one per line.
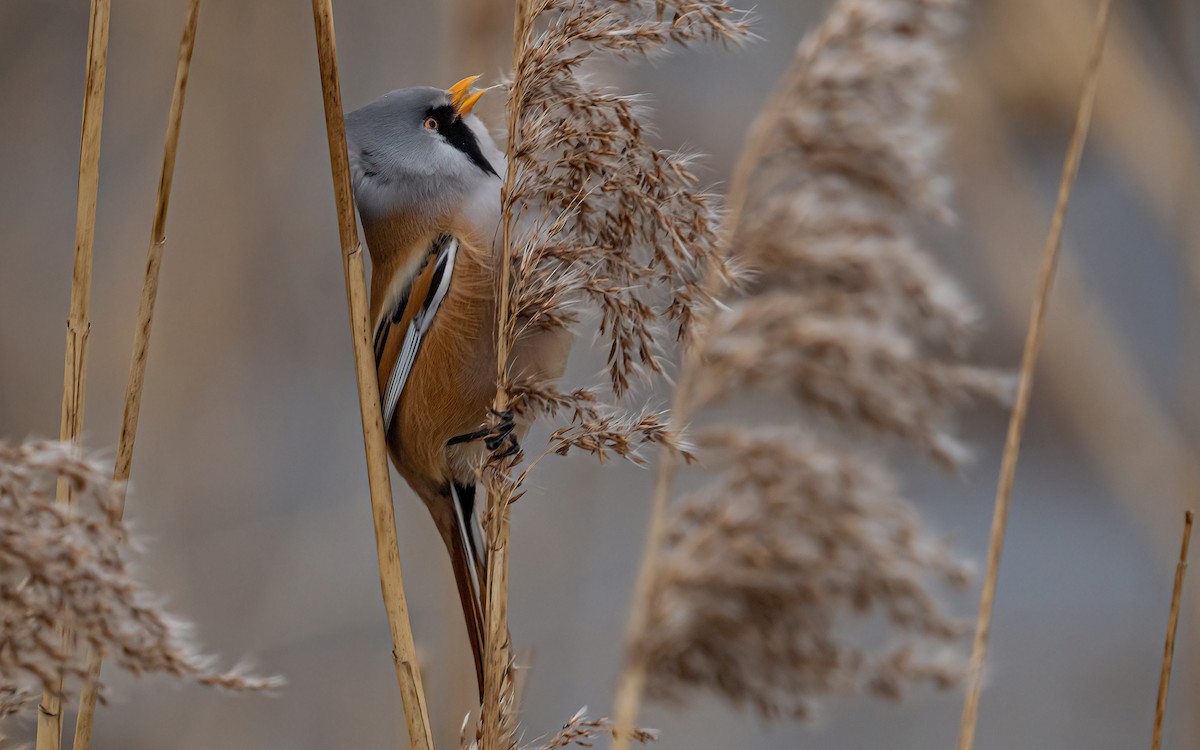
(62,566)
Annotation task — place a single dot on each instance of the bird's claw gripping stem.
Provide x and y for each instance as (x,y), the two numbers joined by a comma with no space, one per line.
(499,439)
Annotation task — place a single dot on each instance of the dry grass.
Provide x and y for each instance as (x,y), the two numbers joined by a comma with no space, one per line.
(64,568)
(748,583)
(595,221)
(852,318)
(141,336)
(1164,679)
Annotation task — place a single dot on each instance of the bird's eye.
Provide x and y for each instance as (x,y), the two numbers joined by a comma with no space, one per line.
(431,123)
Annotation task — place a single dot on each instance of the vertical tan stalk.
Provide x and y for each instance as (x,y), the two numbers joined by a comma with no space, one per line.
(495,725)
(1033,340)
(387,546)
(632,681)
(141,338)
(1164,678)
(50,720)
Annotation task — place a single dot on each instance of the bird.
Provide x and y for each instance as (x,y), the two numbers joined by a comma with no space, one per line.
(426,176)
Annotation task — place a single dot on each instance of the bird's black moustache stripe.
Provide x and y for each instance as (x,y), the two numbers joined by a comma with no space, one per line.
(458,135)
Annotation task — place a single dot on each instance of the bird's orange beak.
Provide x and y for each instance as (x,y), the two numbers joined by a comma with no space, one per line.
(460,98)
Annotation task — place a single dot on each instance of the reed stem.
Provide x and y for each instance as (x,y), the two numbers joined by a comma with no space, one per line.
(50,719)
(495,725)
(141,340)
(387,548)
(1164,678)
(1033,340)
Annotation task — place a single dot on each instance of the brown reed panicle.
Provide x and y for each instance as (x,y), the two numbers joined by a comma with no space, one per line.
(59,565)
(755,577)
(606,221)
(594,219)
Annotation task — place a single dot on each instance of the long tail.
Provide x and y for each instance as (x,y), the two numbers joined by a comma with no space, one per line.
(468,559)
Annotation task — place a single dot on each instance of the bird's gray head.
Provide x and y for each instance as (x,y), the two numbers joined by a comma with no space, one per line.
(420,150)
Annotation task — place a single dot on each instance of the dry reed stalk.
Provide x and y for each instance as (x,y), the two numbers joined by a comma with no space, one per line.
(50,719)
(496,720)
(1033,338)
(141,337)
(1164,678)
(391,579)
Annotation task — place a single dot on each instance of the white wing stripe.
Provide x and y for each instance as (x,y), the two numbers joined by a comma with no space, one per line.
(413,335)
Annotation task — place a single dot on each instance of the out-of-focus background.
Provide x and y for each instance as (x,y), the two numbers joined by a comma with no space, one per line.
(249,484)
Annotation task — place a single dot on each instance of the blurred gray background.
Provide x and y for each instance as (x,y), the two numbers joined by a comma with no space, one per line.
(249,486)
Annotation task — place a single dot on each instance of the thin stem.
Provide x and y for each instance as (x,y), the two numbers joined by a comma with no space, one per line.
(391,579)
(1033,340)
(50,720)
(500,487)
(141,339)
(1164,678)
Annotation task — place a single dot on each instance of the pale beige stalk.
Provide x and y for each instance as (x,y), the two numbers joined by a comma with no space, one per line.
(391,579)
(1164,678)
(50,720)
(1033,340)
(141,339)
(496,725)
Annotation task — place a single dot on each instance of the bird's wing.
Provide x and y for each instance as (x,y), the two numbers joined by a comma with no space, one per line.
(413,313)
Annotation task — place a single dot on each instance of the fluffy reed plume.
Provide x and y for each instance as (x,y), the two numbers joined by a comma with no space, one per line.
(613,225)
(751,581)
(61,567)
(759,568)
(595,220)
(850,314)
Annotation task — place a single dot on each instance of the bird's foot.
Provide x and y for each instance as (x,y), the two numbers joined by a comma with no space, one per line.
(501,441)
(498,438)
(501,431)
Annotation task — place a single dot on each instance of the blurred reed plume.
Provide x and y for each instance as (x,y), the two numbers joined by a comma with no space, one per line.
(594,219)
(760,568)
(62,567)
(750,581)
